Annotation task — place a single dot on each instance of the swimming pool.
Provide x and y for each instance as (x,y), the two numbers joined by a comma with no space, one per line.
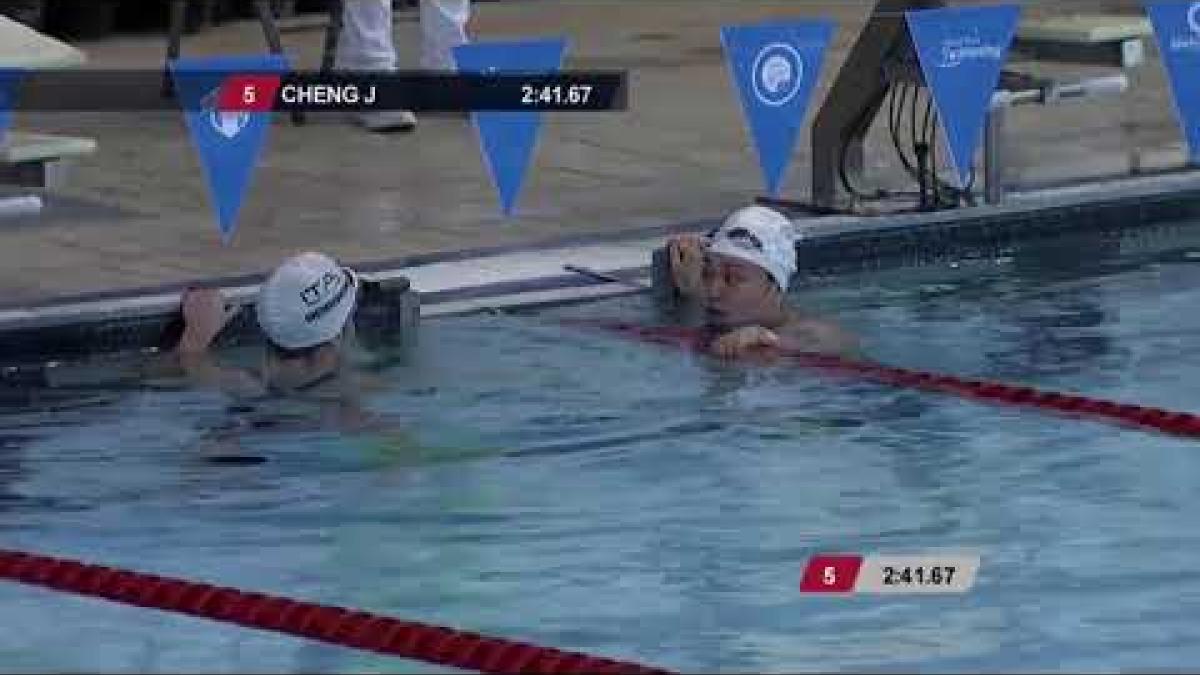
(586,493)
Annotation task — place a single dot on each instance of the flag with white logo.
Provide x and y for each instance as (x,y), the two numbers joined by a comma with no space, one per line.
(1177,30)
(774,67)
(228,142)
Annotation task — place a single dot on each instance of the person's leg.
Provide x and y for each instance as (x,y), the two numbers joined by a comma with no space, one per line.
(443,27)
(367,43)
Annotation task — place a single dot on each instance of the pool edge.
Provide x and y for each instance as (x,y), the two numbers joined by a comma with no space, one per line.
(469,280)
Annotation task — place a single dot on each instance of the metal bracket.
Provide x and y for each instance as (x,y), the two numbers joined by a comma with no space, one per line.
(1046,93)
(857,96)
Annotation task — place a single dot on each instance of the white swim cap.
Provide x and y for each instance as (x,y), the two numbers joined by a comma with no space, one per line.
(307,301)
(761,236)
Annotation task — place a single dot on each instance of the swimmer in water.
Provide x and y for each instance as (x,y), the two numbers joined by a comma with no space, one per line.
(738,276)
(304,310)
(306,382)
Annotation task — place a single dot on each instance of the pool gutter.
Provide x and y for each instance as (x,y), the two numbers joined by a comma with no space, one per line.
(464,282)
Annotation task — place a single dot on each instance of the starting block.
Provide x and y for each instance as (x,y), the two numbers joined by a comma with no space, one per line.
(32,159)
(40,160)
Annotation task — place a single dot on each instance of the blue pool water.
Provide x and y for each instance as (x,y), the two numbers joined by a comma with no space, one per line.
(591,494)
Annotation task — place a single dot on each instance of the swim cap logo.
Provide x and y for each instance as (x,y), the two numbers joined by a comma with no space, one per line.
(319,289)
(778,72)
(228,124)
(1193,18)
(325,292)
(744,239)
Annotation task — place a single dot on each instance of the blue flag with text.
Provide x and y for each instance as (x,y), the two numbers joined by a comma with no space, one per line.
(1177,30)
(962,50)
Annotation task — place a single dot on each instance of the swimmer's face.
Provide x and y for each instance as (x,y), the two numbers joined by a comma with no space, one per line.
(738,293)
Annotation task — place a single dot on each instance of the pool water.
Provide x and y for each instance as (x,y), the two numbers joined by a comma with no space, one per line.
(587,493)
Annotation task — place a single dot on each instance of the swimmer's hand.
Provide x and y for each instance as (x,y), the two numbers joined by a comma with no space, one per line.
(205,315)
(686,252)
(745,341)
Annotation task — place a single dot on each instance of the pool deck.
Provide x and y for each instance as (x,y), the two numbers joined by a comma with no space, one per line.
(134,222)
(548,272)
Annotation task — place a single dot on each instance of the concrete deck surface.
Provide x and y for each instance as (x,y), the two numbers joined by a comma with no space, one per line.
(138,212)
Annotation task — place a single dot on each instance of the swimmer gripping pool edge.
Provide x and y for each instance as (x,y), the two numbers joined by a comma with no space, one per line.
(1129,415)
(1165,421)
(173,329)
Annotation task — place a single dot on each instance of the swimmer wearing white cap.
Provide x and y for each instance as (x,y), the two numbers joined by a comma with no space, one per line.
(739,275)
(303,310)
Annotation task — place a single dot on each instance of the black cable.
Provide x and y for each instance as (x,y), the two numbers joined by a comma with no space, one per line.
(930,145)
(895,117)
(913,116)
(920,151)
(910,93)
(892,111)
(956,193)
(922,142)
(947,194)
(926,135)
(971,170)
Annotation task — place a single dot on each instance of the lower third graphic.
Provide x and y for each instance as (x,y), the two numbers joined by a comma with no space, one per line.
(888,574)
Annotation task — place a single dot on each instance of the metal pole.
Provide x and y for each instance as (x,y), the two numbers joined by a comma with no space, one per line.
(993,154)
(266,18)
(174,43)
(332,35)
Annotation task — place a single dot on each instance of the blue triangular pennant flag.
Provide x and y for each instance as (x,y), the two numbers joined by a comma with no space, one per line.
(228,143)
(774,67)
(508,137)
(10,78)
(962,50)
(1177,30)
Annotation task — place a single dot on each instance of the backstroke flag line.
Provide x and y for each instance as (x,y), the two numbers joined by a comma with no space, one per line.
(774,67)
(508,137)
(229,143)
(1177,30)
(962,50)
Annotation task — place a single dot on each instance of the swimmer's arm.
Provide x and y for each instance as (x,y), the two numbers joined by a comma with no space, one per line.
(685,266)
(204,371)
(205,315)
(819,336)
(201,369)
(196,359)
